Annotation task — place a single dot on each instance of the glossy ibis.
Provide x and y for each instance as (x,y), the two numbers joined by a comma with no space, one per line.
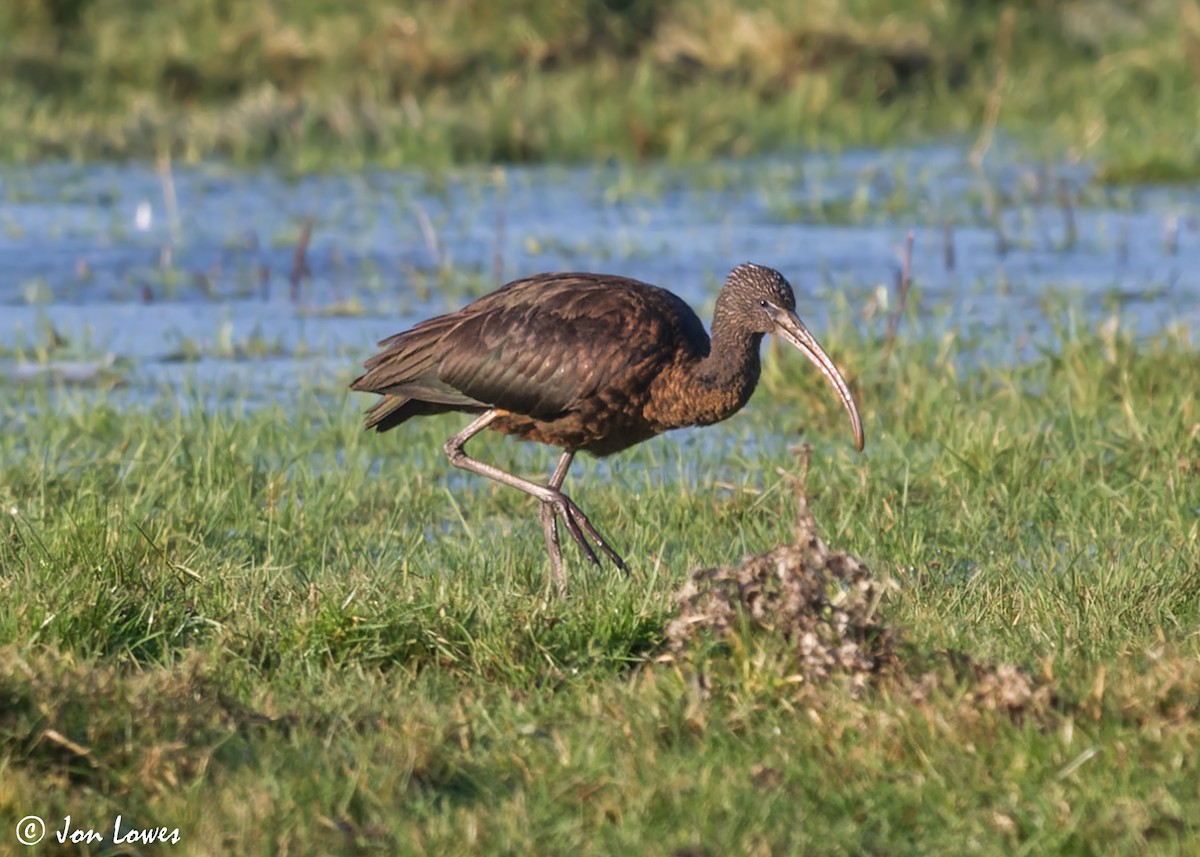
(586,362)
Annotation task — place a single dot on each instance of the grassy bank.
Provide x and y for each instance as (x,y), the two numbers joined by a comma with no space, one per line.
(282,635)
(322,85)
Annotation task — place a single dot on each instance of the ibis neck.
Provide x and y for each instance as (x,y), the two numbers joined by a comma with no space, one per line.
(726,377)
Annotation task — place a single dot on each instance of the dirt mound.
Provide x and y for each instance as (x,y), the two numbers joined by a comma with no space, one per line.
(826,613)
(983,686)
(824,604)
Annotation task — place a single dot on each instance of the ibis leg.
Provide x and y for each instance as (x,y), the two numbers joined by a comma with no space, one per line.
(550,522)
(576,521)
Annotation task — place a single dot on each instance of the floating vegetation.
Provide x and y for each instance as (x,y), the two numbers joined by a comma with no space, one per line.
(103,372)
(348,308)
(224,346)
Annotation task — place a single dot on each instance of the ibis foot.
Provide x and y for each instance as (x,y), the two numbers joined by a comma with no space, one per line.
(554,503)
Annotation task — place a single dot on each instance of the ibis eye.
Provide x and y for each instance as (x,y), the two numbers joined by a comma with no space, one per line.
(763,304)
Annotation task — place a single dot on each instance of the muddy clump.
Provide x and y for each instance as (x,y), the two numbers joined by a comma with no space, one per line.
(824,605)
(982,686)
(825,614)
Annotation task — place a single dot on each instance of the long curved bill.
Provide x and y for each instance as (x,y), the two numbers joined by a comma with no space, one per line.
(790,327)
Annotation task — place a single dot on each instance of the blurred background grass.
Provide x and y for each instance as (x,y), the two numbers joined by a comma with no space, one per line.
(319,84)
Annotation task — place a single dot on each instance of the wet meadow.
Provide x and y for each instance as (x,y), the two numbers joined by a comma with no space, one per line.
(227,610)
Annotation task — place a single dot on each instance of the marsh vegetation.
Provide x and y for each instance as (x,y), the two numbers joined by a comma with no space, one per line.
(435,83)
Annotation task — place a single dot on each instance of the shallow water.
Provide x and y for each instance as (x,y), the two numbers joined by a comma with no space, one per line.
(204,295)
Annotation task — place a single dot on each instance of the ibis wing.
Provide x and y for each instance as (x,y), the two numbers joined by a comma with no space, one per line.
(407,367)
(532,363)
(541,357)
(537,346)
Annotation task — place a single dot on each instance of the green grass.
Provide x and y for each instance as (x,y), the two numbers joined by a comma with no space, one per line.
(320,85)
(283,635)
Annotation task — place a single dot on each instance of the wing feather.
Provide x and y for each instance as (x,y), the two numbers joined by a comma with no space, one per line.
(535,347)
(557,346)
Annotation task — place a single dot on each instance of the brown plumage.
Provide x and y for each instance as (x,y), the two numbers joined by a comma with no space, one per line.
(586,361)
